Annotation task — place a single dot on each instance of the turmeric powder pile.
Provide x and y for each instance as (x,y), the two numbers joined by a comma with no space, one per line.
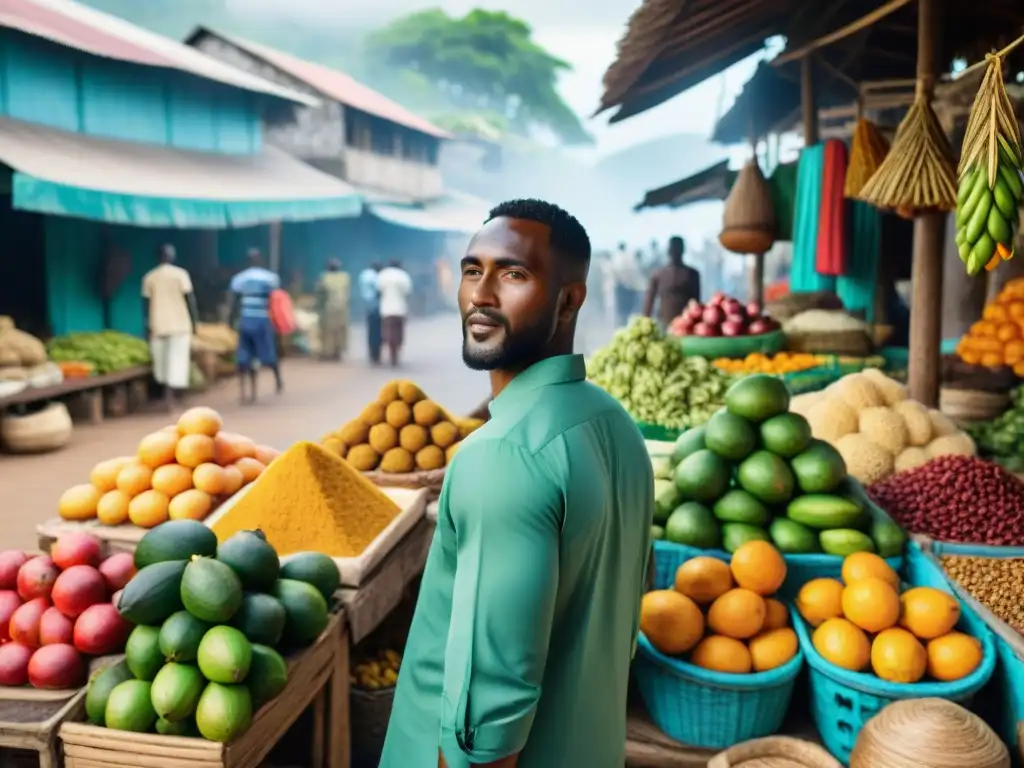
(308,499)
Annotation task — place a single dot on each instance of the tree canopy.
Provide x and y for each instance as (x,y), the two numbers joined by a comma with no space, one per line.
(485,62)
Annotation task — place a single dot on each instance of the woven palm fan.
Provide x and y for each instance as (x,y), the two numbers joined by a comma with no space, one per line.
(867,153)
(919,173)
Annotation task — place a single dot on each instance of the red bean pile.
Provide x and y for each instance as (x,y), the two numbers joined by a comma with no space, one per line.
(956,498)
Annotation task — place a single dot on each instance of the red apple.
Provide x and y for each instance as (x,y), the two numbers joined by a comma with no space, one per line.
(732,307)
(705,329)
(694,310)
(713,315)
(686,326)
(758,327)
(732,328)
(718,298)
(753,310)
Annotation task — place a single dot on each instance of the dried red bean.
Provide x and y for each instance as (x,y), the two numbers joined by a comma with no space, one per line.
(956,498)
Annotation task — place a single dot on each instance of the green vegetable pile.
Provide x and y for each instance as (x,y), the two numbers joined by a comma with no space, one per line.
(645,370)
(1002,438)
(108,351)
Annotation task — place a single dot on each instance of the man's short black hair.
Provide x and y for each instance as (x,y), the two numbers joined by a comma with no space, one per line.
(676,242)
(568,237)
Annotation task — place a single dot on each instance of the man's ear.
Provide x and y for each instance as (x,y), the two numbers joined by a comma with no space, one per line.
(573,296)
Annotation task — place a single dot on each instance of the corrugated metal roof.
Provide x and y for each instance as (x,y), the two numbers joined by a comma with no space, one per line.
(76,26)
(455,212)
(333,83)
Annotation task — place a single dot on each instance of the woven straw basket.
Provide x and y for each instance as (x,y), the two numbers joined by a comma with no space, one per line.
(964,405)
(431,480)
(774,752)
(850,343)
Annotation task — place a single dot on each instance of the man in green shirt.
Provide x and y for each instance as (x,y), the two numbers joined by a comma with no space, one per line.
(519,651)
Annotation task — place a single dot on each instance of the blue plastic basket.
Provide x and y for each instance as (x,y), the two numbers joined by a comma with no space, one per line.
(974,550)
(843,701)
(710,709)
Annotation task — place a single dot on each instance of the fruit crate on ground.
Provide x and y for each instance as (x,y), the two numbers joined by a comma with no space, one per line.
(317,677)
(34,725)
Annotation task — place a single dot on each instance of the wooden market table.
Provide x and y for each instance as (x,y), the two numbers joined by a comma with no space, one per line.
(127,387)
(34,726)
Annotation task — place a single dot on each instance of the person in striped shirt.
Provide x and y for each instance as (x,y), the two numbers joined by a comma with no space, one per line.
(257,343)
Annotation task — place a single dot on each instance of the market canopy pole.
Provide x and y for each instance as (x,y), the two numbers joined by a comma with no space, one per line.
(929,236)
(807,99)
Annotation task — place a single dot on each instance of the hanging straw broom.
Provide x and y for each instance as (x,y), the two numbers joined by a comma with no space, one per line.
(918,175)
(989,199)
(867,152)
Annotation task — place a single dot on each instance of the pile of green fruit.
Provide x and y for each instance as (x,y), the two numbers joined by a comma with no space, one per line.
(645,370)
(108,351)
(1002,438)
(209,620)
(755,472)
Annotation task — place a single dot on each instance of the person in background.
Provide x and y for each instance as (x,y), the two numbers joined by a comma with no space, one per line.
(672,286)
(394,287)
(370,295)
(629,283)
(333,292)
(529,607)
(250,313)
(170,311)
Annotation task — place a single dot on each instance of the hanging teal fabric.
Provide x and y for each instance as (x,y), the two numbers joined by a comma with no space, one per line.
(857,287)
(803,277)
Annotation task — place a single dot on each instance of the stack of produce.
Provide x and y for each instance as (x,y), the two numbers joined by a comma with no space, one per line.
(218,338)
(22,356)
(722,616)
(107,351)
(865,622)
(182,472)
(311,498)
(828,331)
(995,582)
(957,498)
(998,338)
(645,371)
(56,610)
(722,316)
(209,621)
(782,363)
(1002,438)
(754,472)
(401,431)
(376,672)
(877,429)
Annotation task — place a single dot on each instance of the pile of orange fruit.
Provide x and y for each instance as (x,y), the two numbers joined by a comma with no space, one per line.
(722,616)
(181,472)
(783,362)
(998,338)
(864,622)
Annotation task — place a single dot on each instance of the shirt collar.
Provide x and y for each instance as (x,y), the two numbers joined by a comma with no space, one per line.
(560,369)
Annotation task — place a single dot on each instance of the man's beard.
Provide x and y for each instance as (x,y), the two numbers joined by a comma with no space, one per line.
(511,352)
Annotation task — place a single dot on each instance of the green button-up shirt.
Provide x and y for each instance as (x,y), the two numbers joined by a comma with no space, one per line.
(529,605)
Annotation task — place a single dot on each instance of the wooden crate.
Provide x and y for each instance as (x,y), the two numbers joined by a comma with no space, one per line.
(33,726)
(312,680)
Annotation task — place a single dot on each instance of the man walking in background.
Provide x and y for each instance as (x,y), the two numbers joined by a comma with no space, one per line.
(333,291)
(394,286)
(171,314)
(629,283)
(672,286)
(370,295)
(257,342)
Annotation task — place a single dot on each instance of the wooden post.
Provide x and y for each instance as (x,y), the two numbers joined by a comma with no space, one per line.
(757,279)
(810,104)
(929,234)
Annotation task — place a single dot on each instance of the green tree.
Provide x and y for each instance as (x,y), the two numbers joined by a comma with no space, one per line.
(483,62)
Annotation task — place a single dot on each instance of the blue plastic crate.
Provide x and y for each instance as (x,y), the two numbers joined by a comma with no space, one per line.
(843,701)
(711,709)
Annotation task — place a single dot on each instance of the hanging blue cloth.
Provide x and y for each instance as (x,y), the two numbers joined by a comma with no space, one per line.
(803,276)
(856,288)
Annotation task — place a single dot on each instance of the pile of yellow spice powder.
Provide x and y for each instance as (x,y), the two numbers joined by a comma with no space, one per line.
(311,499)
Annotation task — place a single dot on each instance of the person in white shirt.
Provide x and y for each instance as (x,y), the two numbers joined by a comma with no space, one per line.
(393,287)
(629,283)
(170,311)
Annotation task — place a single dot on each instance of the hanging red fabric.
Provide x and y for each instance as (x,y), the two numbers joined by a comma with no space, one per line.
(831,250)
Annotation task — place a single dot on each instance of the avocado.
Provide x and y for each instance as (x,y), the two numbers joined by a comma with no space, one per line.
(702,476)
(786,435)
(766,477)
(255,562)
(180,636)
(823,511)
(306,611)
(693,524)
(657,532)
(735,535)
(224,712)
(260,618)
(142,652)
(314,568)
(103,682)
(175,540)
(210,590)
(180,728)
(730,436)
(845,541)
(129,707)
(268,675)
(792,538)
(738,506)
(225,655)
(758,397)
(889,538)
(691,441)
(153,594)
(666,498)
(818,469)
(176,691)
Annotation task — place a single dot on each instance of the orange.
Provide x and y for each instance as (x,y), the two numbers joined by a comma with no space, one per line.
(171,479)
(970,357)
(1013,352)
(772,649)
(860,565)
(194,450)
(104,474)
(148,509)
(250,468)
(265,454)
(704,579)
(738,614)
(819,600)
(79,502)
(776,615)
(928,612)
(759,567)
(997,313)
(671,621)
(953,656)
(157,449)
(113,508)
(209,478)
(872,604)
(200,421)
(134,478)
(190,505)
(1016,309)
(230,447)
(992,359)
(722,654)
(232,480)
(1008,331)
(1018,369)
(898,656)
(842,643)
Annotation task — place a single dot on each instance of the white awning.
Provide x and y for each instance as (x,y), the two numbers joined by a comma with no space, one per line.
(455,212)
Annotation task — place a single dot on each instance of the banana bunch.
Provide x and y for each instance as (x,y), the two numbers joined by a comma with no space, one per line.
(986,218)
